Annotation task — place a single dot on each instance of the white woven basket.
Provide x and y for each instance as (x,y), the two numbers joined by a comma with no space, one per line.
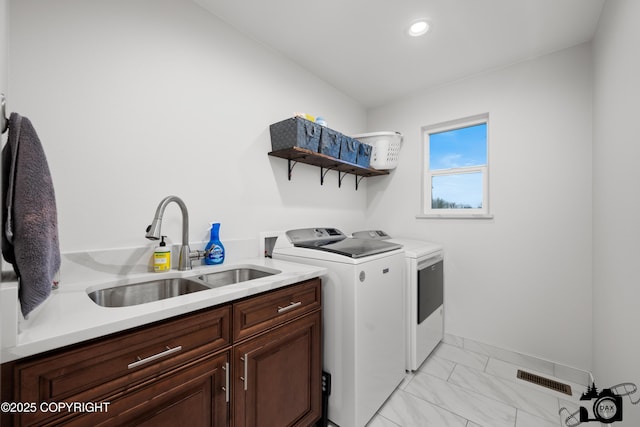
(386,148)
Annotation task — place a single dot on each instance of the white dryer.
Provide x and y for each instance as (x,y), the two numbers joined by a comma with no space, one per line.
(363,322)
(424,294)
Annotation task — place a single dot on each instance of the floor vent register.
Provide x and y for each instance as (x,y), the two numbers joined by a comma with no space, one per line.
(544,382)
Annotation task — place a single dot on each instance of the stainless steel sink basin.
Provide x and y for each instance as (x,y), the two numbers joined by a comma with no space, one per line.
(155,290)
(236,275)
(140,293)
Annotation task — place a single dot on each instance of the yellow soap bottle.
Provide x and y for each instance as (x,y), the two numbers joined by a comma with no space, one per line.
(162,257)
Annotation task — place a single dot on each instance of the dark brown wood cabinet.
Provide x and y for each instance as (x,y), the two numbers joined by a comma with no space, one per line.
(277,376)
(115,368)
(255,362)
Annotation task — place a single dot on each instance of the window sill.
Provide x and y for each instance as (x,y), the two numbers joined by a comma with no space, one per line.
(454,216)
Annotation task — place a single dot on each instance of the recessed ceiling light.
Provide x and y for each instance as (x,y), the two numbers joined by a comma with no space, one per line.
(419,28)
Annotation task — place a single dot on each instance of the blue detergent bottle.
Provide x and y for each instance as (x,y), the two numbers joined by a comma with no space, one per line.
(214,249)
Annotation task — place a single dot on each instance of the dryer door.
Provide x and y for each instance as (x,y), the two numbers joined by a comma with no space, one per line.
(430,287)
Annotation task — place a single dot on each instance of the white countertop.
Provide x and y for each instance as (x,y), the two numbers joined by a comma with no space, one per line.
(69,316)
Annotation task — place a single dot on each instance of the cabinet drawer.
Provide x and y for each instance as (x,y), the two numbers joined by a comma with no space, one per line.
(260,313)
(96,371)
(191,396)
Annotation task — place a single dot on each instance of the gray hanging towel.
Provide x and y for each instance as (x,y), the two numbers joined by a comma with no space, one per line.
(29,214)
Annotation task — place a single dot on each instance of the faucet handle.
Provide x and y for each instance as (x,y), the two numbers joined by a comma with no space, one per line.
(197,254)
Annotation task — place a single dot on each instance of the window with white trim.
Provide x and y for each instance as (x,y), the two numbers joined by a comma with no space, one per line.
(456,168)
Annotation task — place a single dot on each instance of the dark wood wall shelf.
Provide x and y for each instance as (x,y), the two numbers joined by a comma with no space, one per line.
(325,163)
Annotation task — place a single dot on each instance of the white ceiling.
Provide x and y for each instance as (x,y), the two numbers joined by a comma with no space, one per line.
(361,46)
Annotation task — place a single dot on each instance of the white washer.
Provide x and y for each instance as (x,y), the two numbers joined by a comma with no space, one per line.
(424,281)
(363,343)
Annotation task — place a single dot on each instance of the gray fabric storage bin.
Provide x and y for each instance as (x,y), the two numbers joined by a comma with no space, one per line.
(295,132)
(349,149)
(364,155)
(330,141)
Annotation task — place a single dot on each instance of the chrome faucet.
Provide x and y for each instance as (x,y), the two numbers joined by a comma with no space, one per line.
(153,232)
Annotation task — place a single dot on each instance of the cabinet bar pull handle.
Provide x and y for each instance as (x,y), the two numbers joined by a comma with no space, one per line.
(289,307)
(167,352)
(225,368)
(246,371)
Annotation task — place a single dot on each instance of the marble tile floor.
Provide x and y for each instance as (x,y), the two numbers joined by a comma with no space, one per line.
(464,383)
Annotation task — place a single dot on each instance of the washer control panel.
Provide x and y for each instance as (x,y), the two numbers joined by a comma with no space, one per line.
(371,234)
(315,236)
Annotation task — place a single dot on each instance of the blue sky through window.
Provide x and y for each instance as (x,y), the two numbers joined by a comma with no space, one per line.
(458,148)
(458,191)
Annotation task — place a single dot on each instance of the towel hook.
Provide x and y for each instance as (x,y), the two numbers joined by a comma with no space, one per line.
(4,121)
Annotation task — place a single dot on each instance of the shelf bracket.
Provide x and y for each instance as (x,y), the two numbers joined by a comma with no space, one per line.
(340,176)
(358,179)
(323,173)
(291,166)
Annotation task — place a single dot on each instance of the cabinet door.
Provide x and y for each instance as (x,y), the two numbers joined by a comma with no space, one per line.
(194,396)
(277,376)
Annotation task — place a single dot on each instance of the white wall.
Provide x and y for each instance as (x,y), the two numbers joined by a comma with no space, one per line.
(522,280)
(134,101)
(616,203)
